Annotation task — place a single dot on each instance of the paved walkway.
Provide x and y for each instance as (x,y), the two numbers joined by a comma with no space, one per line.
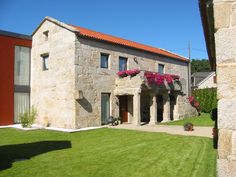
(171,129)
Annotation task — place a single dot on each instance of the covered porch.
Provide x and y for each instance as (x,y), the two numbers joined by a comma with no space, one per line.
(143,103)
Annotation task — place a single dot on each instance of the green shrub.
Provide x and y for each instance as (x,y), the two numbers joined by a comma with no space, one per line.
(207,98)
(28,117)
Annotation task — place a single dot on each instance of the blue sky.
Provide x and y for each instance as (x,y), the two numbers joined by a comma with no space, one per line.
(164,24)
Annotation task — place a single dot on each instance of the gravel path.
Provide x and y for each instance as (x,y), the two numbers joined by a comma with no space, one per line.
(171,129)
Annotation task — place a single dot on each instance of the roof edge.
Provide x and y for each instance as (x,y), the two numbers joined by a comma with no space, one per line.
(15,35)
(57,22)
(212,73)
(207,18)
(73,28)
(186,59)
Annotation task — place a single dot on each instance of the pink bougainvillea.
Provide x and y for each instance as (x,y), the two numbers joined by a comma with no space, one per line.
(132,72)
(191,99)
(158,79)
(152,77)
(194,103)
(168,78)
(125,73)
(122,74)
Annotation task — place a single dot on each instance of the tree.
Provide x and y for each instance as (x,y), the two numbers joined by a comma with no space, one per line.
(200,65)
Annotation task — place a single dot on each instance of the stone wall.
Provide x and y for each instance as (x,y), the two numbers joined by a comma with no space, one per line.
(52,90)
(225,37)
(93,80)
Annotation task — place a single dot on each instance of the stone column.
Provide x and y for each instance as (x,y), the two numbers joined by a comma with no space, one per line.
(153,110)
(176,109)
(136,108)
(225,46)
(166,111)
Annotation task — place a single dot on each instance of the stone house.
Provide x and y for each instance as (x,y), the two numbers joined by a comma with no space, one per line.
(219,24)
(74,80)
(201,80)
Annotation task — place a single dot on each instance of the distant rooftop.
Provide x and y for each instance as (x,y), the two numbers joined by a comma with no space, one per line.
(200,76)
(15,35)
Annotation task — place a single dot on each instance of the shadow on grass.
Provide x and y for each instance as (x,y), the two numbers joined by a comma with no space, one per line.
(20,152)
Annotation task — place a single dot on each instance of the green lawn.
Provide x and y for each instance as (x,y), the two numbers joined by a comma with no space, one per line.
(202,120)
(103,153)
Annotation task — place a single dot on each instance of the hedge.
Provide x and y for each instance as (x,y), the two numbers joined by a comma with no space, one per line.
(207,98)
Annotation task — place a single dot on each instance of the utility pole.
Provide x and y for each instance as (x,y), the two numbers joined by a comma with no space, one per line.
(189,68)
(189,50)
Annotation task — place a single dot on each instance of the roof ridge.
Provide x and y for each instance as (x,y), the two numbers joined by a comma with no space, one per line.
(175,56)
(173,53)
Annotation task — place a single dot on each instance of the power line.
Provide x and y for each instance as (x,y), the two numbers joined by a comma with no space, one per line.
(200,50)
(194,49)
(179,49)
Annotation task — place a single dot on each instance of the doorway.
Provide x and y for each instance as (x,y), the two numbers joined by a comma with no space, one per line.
(123,106)
(159,108)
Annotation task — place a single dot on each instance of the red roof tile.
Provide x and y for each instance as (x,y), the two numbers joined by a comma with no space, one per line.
(116,40)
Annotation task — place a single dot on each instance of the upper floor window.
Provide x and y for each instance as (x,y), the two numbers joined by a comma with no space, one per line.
(45,61)
(122,63)
(45,33)
(104,60)
(161,68)
(22,66)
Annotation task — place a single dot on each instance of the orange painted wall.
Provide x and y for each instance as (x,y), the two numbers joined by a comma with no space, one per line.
(7,49)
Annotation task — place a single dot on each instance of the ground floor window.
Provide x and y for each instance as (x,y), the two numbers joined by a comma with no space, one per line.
(105,107)
(21,104)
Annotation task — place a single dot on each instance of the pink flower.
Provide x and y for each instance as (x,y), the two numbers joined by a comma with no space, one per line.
(128,73)
(121,74)
(196,104)
(158,79)
(191,99)
(168,78)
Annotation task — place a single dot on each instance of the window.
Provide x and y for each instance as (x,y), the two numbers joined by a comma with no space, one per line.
(104,60)
(161,68)
(105,107)
(122,63)
(22,66)
(45,35)
(45,61)
(21,104)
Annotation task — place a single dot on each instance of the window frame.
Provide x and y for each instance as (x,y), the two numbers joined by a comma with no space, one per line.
(20,74)
(45,65)
(108,58)
(45,33)
(123,58)
(160,64)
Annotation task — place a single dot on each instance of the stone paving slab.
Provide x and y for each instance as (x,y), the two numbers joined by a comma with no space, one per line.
(171,129)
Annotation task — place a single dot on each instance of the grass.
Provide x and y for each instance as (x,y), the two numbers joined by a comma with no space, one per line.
(202,120)
(103,153)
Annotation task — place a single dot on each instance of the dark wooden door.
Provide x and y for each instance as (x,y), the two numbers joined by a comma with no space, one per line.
(124,108)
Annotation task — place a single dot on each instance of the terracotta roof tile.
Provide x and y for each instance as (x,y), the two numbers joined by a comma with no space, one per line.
(116,40)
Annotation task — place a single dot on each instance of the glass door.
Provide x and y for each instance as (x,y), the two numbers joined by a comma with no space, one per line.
(105,107)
